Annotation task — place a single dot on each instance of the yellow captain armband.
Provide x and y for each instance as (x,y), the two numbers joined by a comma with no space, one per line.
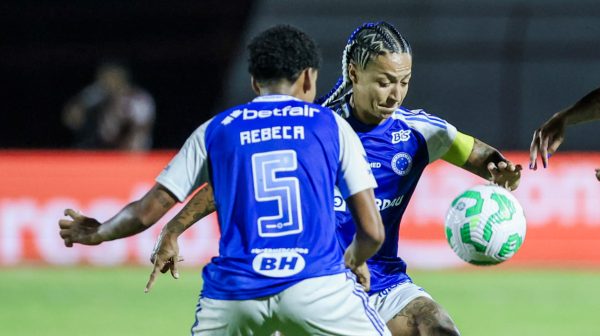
(459,151)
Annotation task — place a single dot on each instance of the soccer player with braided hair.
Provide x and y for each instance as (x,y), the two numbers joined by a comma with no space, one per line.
(400,143)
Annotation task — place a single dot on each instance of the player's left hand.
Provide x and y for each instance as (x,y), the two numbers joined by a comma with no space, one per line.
(505,174)
(547,139)
(598,174)
(363,276)
(164,257)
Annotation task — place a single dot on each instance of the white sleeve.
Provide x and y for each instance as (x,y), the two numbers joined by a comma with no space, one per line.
(188,170)
(438,133)
(355,174)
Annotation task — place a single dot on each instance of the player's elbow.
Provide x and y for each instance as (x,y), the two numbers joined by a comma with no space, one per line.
(377,234)
(372,234)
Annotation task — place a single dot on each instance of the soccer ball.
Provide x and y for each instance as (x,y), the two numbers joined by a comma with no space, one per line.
(485,225)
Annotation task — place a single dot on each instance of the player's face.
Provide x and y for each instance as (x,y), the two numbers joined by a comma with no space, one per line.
(380,88)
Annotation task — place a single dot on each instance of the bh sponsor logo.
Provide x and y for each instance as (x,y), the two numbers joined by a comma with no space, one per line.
(402,163)
(278,264)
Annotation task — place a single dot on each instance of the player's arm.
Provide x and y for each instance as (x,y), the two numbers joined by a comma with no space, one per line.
(184,174)
(356,183)
(134,218)
(165,255)
(483,160)
(369,228)
(551,134)
(369,236)
(201,205)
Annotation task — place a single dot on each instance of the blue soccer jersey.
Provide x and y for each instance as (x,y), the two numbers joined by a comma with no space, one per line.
(397,150)
(273,164)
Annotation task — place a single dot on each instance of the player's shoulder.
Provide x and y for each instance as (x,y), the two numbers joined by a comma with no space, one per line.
(418,118)
(230,114)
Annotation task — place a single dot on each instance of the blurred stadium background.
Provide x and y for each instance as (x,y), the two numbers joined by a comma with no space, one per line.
(495,69)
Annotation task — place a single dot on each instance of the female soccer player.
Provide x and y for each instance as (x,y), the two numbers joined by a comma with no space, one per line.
(376,71)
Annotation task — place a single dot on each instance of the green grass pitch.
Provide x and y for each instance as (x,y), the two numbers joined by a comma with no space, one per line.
(111,301)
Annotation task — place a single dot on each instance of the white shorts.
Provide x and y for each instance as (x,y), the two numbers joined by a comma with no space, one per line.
(390,301)
(328,305)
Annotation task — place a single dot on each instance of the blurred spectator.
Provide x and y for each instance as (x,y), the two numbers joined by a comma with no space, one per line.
(111,113)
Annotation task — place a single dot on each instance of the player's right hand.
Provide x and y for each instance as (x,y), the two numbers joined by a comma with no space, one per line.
(164,257)
(547,139)
(79,229)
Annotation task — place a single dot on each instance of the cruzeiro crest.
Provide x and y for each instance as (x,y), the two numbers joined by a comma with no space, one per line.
(402,163)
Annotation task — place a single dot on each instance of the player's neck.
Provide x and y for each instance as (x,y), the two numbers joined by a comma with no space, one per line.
(275,91)
(281,87)
(302,88)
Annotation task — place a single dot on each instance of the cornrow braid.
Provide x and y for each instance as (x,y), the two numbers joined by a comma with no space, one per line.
(365,43)
(404,45)
(343,81)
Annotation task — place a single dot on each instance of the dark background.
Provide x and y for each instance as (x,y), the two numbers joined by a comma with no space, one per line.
(177,50)
(495,69)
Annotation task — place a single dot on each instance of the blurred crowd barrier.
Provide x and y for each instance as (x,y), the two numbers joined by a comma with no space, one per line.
(562,205)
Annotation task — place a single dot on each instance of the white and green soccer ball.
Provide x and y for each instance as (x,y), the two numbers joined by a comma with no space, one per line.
(485,225)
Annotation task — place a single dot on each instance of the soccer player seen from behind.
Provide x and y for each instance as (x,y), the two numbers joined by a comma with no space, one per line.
(273,164)
(400,143)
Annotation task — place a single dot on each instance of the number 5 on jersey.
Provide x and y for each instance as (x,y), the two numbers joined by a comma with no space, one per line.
(284,190)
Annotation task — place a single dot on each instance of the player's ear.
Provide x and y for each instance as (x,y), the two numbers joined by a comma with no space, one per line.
(254,84)
(352,73)
(309,79)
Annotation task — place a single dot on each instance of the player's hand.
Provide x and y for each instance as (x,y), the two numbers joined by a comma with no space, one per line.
(363,276)
(505,174)
(361,271)
(164,257)
(598,174)
(79,229)
(547,139)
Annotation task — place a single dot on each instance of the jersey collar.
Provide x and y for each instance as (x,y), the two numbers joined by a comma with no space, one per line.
(274,98)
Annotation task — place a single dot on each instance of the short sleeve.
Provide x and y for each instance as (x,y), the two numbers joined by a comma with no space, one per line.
(188,170)
(438,133)
(355,174)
